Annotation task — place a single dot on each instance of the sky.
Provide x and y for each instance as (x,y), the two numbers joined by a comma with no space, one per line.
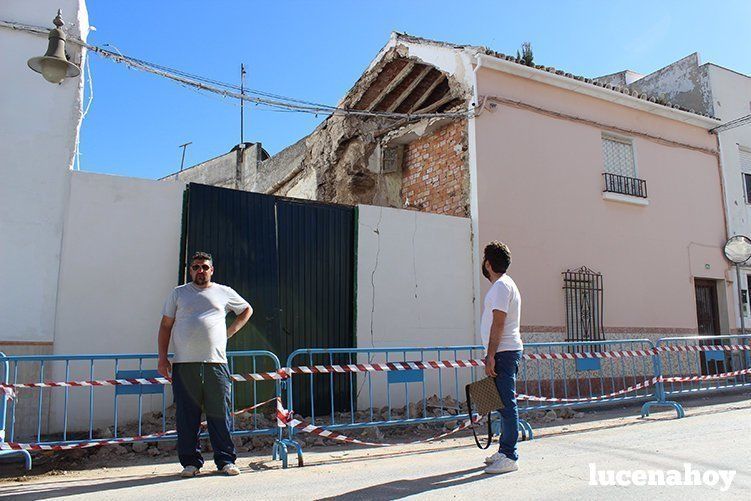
(316,51)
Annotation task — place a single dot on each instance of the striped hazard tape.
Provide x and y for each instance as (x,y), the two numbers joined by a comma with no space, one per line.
(285,373)
(711,377)
(286,418)
(708,347)
(630,389)
(112,441)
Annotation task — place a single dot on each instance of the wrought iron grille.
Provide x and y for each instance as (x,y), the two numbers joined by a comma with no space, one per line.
(583,292)
(619,156)
(625,185)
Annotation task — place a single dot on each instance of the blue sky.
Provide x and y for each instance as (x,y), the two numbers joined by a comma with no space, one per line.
(316,50)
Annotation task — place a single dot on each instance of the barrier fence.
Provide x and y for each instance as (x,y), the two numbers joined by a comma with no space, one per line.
(697,364)
(82,401)
(58,402)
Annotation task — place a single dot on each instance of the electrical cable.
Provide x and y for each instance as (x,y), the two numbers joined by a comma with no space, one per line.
(273,101)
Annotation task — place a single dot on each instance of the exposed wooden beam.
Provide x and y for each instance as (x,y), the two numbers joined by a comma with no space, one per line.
(406,92)
(392,85)
(431,108)
(427,92)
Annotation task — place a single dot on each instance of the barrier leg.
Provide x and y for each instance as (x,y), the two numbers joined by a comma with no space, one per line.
(660,393)
(282,446)
(25,454)
(526,429)
(664,403)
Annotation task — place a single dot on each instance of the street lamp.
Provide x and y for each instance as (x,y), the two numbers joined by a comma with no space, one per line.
(54,65)
(738,250)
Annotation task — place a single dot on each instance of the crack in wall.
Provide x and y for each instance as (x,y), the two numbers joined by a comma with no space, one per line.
(414,271)
(377,231)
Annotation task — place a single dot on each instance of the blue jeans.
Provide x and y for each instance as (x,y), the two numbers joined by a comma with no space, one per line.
(198,385)
(506,368)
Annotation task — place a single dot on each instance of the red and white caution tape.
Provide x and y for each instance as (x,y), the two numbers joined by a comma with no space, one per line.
(100,382)
(583,355)
(263,376)
(707,347)
(285,418)
(285,373)
(384,366)
(688,379)
(624,391)
(112,441)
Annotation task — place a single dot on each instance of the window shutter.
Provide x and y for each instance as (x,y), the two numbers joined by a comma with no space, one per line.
(619,157)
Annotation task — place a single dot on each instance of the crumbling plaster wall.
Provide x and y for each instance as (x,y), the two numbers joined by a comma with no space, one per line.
(236,169)
(342,156)
(684,82)
(280,173)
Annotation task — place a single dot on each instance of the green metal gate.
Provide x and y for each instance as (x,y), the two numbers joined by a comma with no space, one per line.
(293,260)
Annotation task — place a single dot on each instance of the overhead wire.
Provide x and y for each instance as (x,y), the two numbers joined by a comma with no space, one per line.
(268,99)
(732,124)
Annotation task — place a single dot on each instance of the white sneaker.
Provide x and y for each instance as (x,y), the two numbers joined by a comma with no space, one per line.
(230,469)
(189,471)
(492,459)
(503,465)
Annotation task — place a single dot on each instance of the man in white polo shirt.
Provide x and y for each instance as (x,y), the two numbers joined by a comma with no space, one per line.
(194,318)
(500,334)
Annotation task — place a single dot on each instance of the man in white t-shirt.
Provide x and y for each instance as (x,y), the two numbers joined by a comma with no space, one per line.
(500,334)
(194,318)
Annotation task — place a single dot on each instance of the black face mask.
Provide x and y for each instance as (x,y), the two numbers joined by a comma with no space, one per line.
(484,270)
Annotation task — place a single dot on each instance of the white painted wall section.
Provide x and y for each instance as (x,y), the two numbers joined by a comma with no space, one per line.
(120,259)
(414,288)
(39,124)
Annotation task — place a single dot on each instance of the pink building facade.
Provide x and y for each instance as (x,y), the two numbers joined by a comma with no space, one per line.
(655,237)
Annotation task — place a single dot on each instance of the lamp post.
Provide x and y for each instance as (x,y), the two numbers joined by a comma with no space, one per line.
(54,65)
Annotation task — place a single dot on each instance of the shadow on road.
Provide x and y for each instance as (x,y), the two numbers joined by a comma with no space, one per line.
(48,490)
(402,488)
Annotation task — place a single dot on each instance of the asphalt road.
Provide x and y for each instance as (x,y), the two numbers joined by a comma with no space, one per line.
(557,465)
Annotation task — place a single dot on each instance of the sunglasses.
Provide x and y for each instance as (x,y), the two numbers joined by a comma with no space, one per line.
(204,267)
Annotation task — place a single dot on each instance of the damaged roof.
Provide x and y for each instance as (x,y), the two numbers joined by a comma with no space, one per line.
(550,69)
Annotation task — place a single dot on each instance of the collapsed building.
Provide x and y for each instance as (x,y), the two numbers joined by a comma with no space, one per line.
(368,157)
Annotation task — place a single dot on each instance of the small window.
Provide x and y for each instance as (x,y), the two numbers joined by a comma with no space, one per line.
(619,156)
(747,184)
(745,164)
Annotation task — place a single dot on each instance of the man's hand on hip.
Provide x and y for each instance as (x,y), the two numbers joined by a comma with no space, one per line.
(165,367)
(490,365)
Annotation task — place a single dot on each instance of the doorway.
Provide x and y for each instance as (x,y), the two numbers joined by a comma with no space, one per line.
(708,322)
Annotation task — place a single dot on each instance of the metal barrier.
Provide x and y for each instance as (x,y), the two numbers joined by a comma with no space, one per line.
(349,388)
(585,373)
(380,398)
(117,399)
(695,364)
(551,375)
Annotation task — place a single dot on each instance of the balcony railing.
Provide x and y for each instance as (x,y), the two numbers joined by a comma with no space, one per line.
(625,185)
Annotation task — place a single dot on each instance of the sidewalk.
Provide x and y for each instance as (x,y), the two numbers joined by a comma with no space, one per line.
(556,464)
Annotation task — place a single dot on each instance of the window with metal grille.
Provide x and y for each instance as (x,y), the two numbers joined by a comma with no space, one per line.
(583,294)
(745,161)
(619,156)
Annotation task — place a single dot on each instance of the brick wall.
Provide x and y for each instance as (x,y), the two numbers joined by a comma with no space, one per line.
(434,172)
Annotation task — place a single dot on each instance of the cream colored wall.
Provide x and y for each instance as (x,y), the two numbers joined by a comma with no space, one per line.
(414,288)
(540,190)
(120,260)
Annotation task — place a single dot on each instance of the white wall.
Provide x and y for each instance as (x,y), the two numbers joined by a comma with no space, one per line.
(39,124)
(120,259)
(414,288)
(731,95)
